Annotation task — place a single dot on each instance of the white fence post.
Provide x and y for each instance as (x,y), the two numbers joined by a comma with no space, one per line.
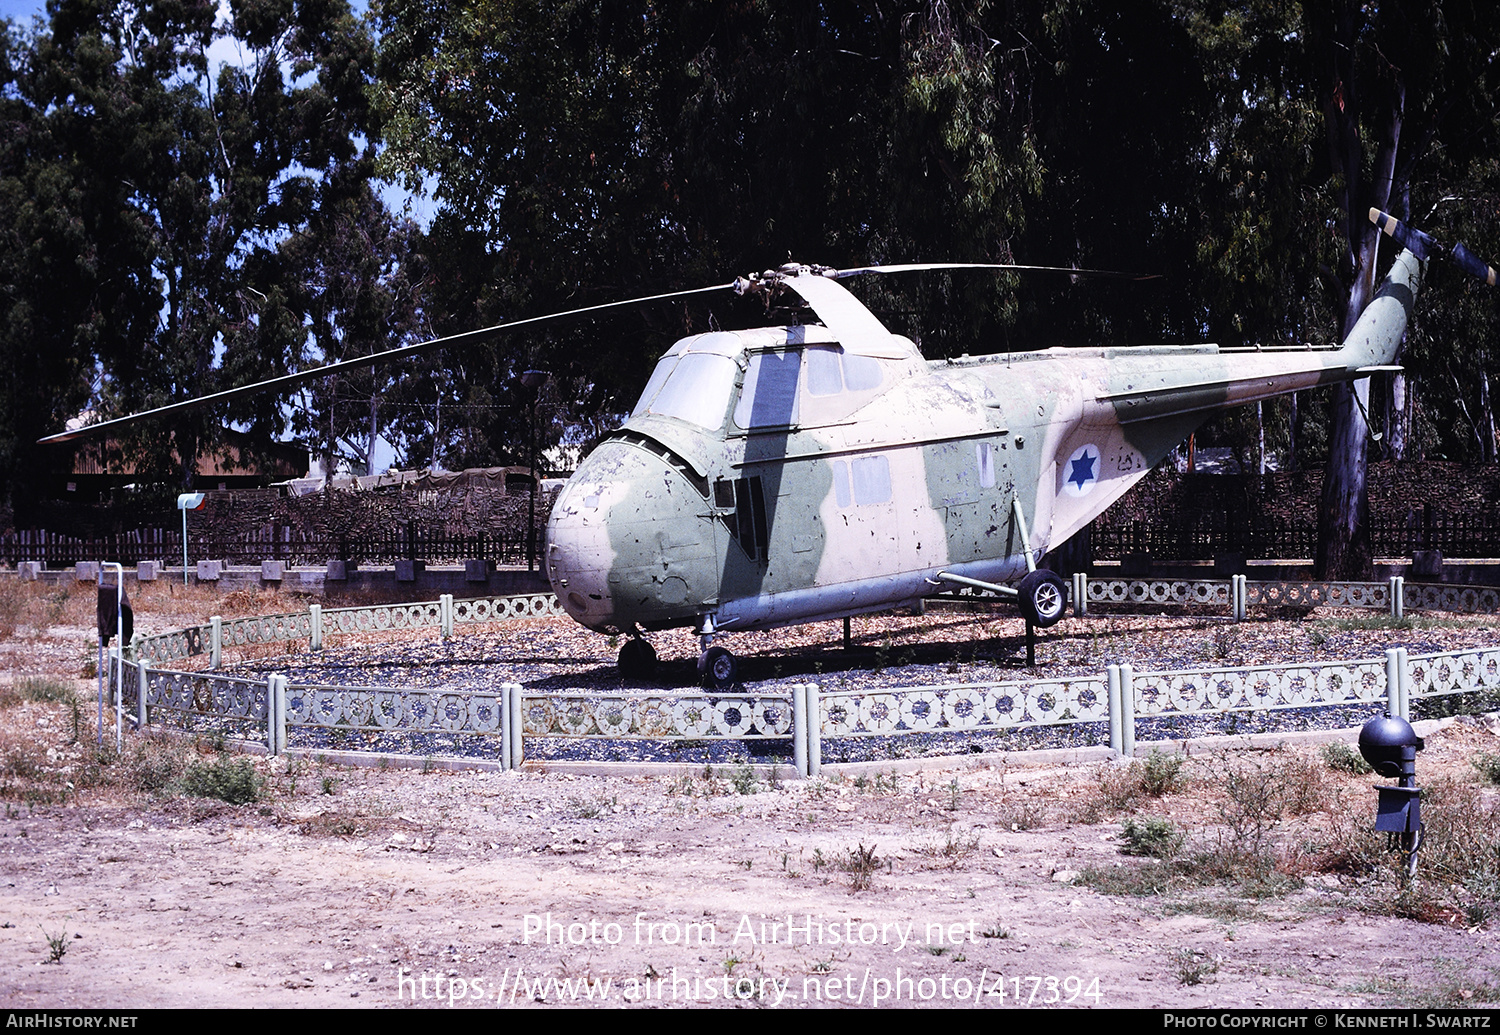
(276,714)
(814,731)
(215,641)
(1116,715)
(315,621)
(514,729)
(1127,711)
(505,730)
(445,614)
(799,729)
(1398,597)
(143,682)
(1080,594)
(1395,702)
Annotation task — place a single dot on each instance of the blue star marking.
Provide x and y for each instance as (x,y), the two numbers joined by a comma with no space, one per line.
(1083,470)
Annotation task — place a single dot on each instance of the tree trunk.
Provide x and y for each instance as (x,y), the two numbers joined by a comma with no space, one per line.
(1343,527)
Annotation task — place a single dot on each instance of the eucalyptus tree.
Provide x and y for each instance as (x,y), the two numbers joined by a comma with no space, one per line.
(206,143)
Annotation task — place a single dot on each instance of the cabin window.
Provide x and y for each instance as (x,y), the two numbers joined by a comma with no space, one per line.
(865,481)
(823,375)
(986,456)
(694,387)
(769,398)
(861,373)
(830,370)
(871,476)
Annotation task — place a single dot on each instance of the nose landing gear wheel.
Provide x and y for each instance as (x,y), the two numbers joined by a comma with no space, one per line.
(637,661)
(1043,598)
(718,669)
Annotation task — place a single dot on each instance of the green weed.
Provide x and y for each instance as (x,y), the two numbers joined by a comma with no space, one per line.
(233,781)
(1154,837)
(1341,758)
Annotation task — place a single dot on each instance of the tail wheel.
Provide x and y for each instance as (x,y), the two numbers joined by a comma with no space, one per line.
(1043,598)
(718,669)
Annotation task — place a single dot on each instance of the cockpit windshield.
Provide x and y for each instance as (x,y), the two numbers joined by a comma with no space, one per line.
(693,386)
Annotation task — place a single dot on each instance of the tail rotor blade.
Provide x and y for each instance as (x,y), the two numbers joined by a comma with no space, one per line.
(1423,245)
(1419,244)
(1473,264)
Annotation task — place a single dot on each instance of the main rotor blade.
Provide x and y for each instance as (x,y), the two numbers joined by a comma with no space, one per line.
(292,380)
(915,267)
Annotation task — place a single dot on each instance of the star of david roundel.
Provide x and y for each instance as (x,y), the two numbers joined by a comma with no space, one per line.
(1081,470)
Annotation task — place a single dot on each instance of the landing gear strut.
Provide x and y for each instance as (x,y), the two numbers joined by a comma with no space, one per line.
(717,668)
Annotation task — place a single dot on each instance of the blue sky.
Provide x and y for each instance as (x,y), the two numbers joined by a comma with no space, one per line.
(20,10)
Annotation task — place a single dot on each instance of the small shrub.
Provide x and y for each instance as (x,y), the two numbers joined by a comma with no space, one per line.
(57,944)
(1158,774)
(1154,837)
(592,808)
(229,781)
(1488,766)
(861,864)
(1023,816)
(155,765)
(1193,966)
(742,778)
(329,824)
(1341,758)
(954,849)
(45,690)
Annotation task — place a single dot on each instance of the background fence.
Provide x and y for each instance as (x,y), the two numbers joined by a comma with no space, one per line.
(293,546)
(1201,536)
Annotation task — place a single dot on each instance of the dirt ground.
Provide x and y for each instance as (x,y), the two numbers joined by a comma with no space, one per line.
(940,882)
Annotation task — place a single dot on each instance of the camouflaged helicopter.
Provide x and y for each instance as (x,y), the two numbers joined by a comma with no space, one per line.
(822,469)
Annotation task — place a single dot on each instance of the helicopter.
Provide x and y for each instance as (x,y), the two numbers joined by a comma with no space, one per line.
(824,468)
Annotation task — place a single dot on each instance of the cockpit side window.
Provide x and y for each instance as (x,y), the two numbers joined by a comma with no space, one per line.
(769,398)
(694,387)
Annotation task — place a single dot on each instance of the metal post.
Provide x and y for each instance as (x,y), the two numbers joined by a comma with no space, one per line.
(1080,594)
(1398,597)
(445,615)
(215,641)
(1127,711)
(315,633)
(118,672)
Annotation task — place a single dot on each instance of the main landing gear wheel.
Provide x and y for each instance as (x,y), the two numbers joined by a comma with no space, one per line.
(1044,598)
(637,660)
(718,669)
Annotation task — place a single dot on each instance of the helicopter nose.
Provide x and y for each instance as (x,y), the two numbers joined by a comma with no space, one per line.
(631,542)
